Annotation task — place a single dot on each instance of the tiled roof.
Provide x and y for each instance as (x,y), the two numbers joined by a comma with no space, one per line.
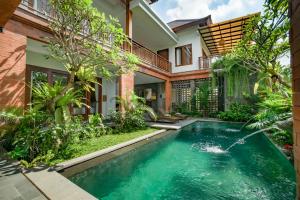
(185,23)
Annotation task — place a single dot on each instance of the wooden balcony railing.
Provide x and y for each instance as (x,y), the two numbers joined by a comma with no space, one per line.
(43,9)
(205,63)
(151,58)
(147,56)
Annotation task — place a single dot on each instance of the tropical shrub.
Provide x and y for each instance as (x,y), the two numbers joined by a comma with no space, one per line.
(81,48)
(47,98)
(275,114)
(36,138)
(32,137)
(127,121)
(237,113)
(132,116)
(9,118)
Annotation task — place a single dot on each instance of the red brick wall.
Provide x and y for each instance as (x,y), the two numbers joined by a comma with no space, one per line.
(168,95)
(12,69)
(126,85)
(295,42)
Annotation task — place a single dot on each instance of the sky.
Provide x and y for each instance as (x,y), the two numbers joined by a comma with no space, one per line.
(220,10)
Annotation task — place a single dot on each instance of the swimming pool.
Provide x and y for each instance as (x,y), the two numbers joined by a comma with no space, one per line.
(191,164)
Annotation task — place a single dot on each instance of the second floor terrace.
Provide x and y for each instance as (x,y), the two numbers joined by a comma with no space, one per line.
(147,34)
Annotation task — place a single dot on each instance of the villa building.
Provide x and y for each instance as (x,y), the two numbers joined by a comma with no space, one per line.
(175,57)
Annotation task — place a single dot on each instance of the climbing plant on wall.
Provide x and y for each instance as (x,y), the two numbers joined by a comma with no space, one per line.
(236,75)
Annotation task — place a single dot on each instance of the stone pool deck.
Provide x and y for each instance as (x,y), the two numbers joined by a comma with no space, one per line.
(14,185)
(174,126)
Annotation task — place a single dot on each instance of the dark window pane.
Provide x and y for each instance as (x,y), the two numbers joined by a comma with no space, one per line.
(94,99)
(60,78)
(37,78)
(183,55)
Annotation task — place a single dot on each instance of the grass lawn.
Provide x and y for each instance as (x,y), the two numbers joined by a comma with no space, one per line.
(102,142)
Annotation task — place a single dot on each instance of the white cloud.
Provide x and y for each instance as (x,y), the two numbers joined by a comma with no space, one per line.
(186,9)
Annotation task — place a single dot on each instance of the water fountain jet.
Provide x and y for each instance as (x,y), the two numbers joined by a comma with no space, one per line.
(242,140)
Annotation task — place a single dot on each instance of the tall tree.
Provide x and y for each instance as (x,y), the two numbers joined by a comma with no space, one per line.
(266,41)
(87,43)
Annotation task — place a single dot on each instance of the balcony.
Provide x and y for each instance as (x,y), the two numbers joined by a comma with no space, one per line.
(149,57)
(205,63)
(42,9)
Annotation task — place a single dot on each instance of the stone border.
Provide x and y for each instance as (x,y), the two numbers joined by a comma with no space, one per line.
(276,146)
(56,187)
(175,126)
(218,120)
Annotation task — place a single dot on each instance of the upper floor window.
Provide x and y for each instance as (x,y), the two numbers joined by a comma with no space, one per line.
(184,55)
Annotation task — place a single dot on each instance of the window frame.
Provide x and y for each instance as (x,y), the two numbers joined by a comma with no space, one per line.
(50,73)
(189,46)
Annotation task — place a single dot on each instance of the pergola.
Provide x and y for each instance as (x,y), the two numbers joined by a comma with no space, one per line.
(222,37)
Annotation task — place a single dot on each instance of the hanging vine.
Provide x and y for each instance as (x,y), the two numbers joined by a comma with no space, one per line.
(236,77)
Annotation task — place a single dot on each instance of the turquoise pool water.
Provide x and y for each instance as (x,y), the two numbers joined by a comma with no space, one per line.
(191,165)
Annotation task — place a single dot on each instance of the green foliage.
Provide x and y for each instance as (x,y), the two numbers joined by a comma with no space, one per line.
(134,103)
(273,108)
(37,138)
(266,40)
(198,105)
(90,145)
(237,113)
(202,94)
(81,36)
(10,115)
(185,108)
(275,113)
(132,116)
(236,75)
(47,98)
(30,138)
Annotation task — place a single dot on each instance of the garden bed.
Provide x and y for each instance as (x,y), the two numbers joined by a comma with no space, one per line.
(99,143)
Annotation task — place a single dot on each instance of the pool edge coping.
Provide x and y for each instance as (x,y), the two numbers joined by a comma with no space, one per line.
(61,187)
(277,146)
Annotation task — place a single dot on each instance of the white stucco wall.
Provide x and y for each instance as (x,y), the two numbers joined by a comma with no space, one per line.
(204,47)
(188,36)
(40,60)
(109,89)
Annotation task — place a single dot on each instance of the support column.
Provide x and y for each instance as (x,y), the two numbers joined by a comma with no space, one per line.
(168,96)
(126,85)
(12,69)
(128,28)
(126,81)
(295,58)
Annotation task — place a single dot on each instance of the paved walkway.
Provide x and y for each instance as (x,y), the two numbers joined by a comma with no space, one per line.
(14,185)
